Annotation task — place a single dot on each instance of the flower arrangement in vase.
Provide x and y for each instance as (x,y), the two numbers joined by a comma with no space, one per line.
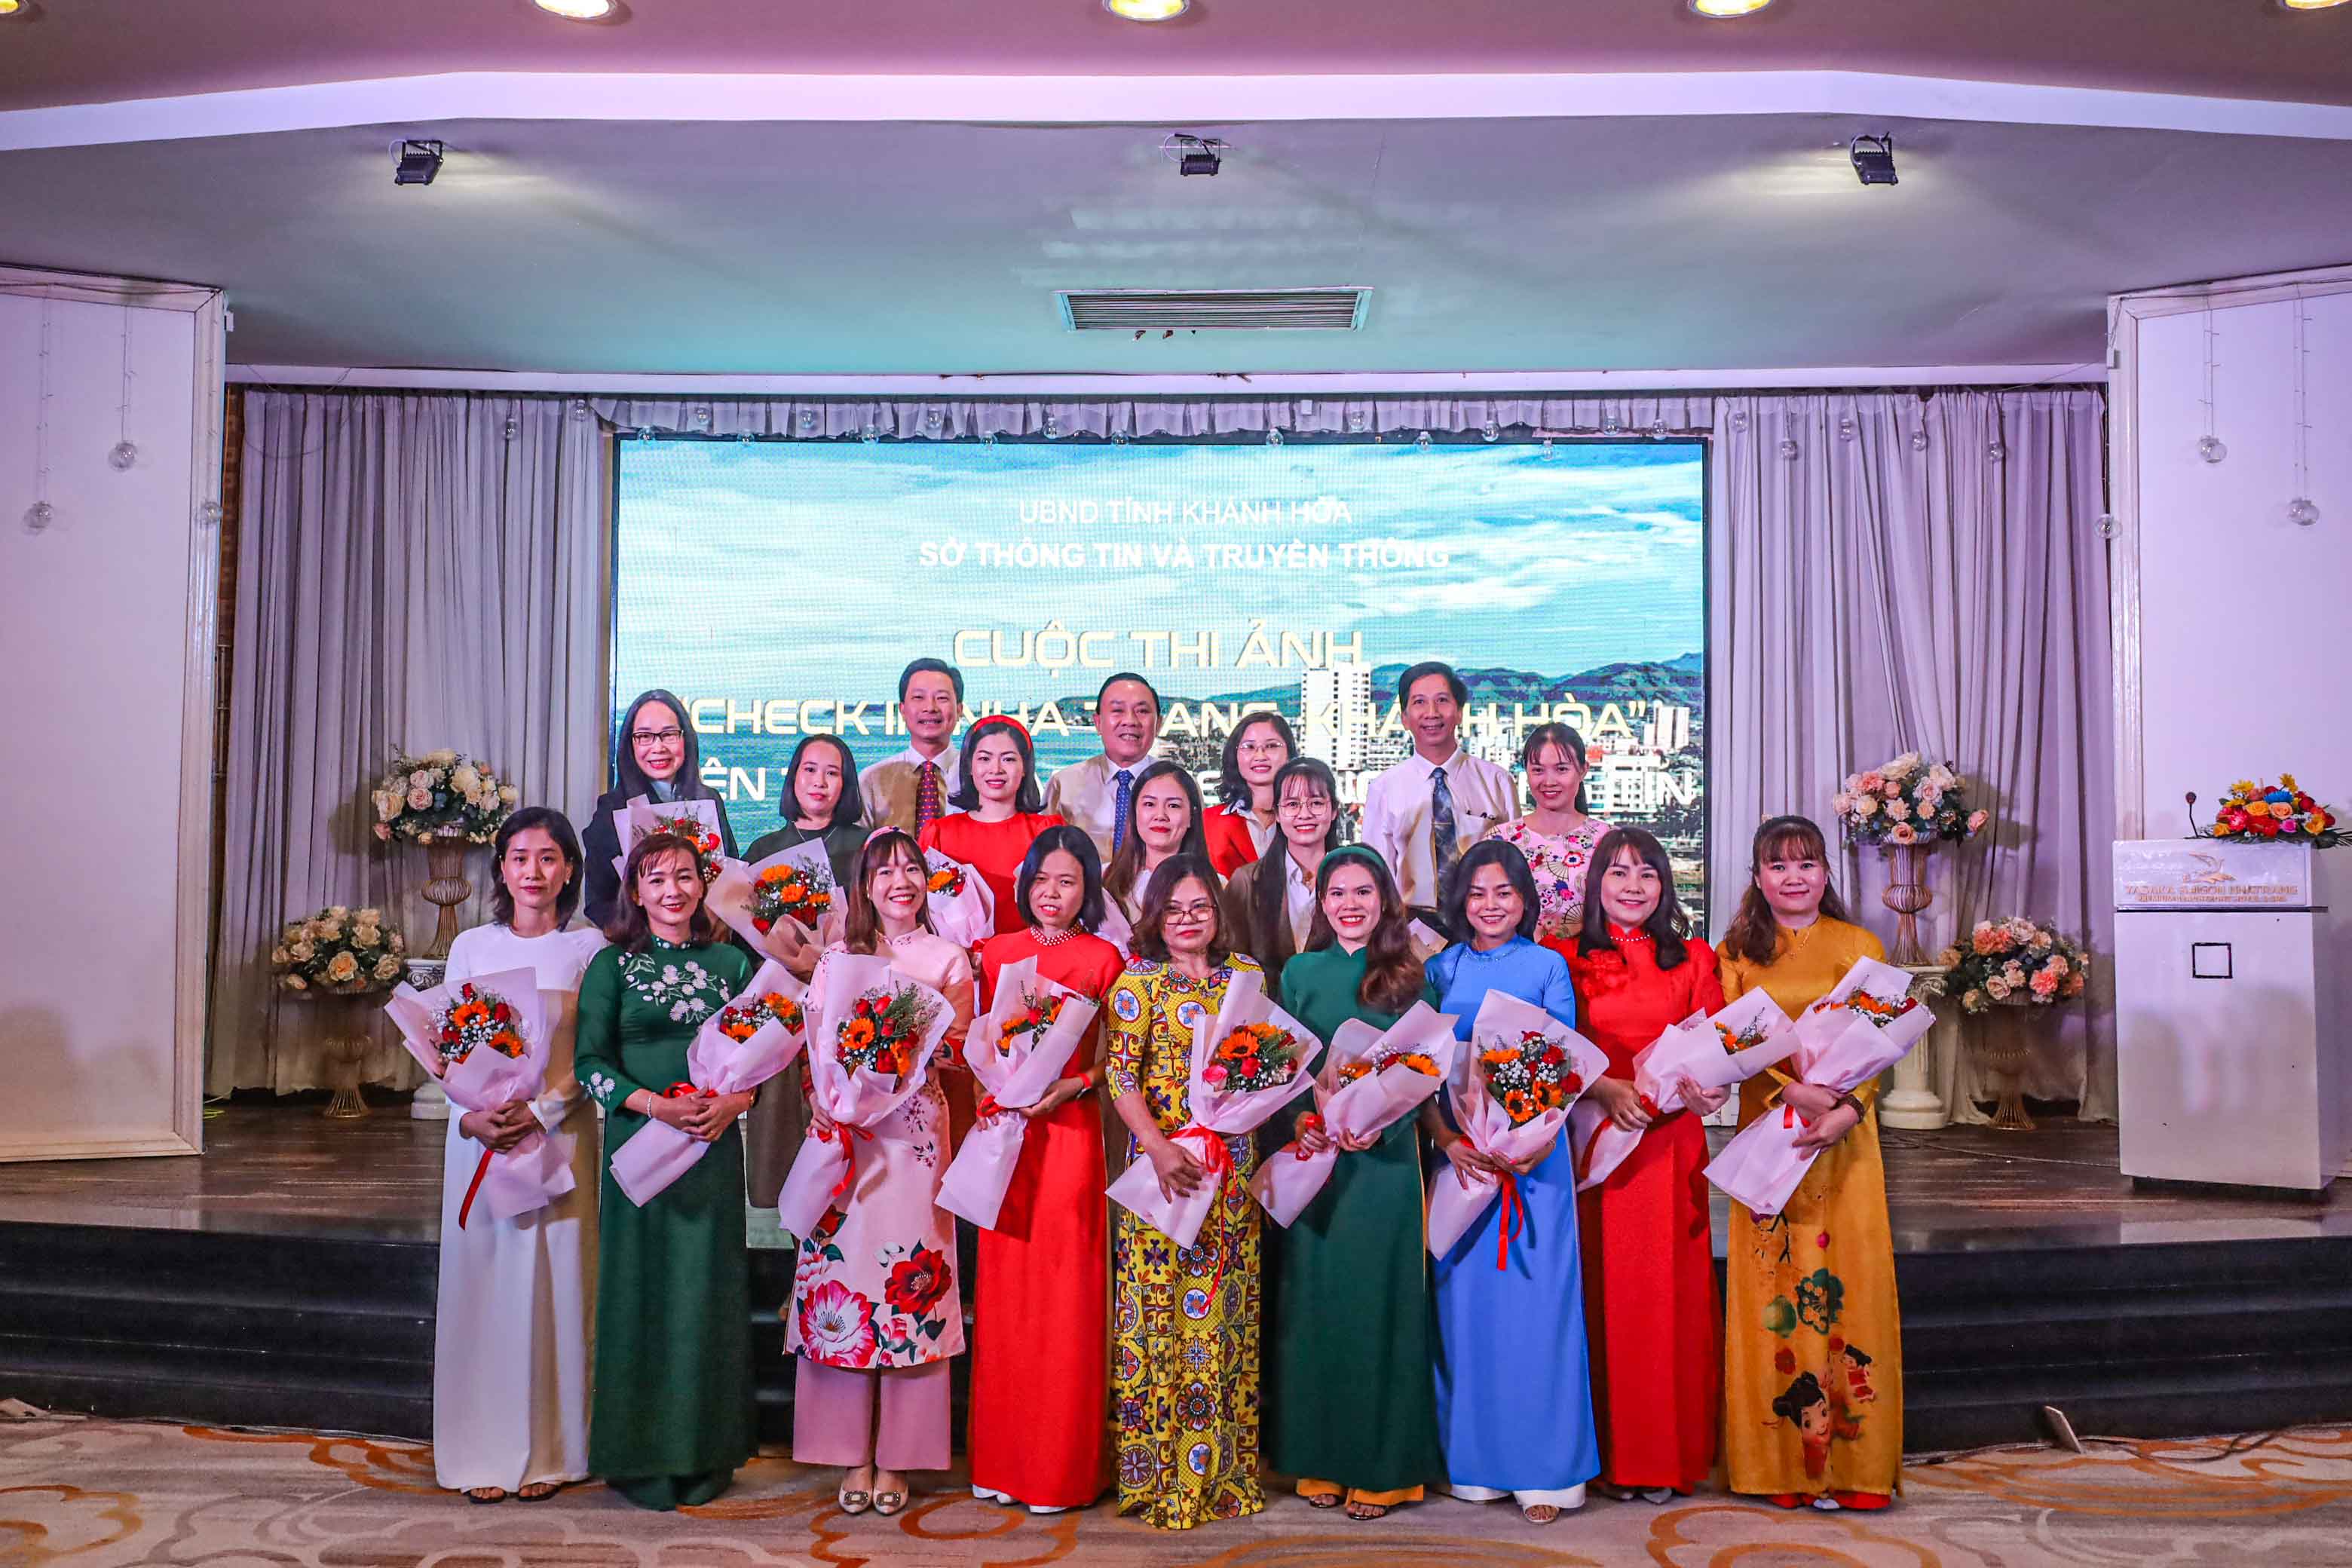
(2263,812)
(335,953)
(2011,964)
(1903,806)
(445,802)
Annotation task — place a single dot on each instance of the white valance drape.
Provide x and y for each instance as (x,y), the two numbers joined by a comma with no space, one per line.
(1888,572)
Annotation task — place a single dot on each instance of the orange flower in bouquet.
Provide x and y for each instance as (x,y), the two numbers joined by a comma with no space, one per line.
(883,1031)
(1529,1075)
(1036,1015)
(2279,813)
(789,890)
(1252,1058)
(1364,1067)
(474,1020)
(687,825)
(741,1020)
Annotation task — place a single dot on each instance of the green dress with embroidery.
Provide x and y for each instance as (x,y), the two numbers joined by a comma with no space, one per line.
(673,1414)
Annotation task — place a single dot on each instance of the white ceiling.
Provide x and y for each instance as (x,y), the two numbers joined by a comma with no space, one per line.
(1639,243)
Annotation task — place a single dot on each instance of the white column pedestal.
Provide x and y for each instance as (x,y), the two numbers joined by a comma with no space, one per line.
(430,1103)
(1911,1103)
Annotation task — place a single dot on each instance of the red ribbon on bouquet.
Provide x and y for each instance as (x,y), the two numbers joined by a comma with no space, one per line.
(481,1169)
(849,1136)
(1515,1219)
(1219,1160)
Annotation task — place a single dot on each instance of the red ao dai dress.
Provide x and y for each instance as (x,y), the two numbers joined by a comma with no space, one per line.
(1650,1317)
(1041,1325)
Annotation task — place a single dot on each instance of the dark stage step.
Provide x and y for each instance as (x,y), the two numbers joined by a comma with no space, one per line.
(2145,1340)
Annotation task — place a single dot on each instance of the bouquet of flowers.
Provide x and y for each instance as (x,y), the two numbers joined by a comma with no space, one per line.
(871,1039)
(696,821)
(1864,1026)
(2279,812)
(1901,802)
(2014,962)
(963,908)
(794,884)
(439,795)
(1018,1050)
(1524,1070)
(742,1046)
(1371,1079)
(1247,1063)
(485,1041)
(1740,1041)
(339,952)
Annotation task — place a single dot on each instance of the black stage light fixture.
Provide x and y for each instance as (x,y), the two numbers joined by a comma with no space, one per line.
(1873,159)
(419,161)
(1194,154)
(1199,160)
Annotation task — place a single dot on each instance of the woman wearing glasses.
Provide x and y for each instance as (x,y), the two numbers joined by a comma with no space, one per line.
(654,755)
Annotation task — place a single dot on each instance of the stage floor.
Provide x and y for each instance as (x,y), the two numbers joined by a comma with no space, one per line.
(286,1170)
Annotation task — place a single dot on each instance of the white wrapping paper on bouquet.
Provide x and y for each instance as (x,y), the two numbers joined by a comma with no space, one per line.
(1115,928)
(961,907)
(641,817)
(538,1170)
(856,1099)
(1709,1051)
(734,893)
(659,1153)
(1504,1022)
(1217,1114)
(1015,1079)
(1289,1179)
(1860,1030)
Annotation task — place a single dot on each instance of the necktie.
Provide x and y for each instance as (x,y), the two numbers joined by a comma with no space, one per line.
(1118,808)
(926,796)
(1441,823)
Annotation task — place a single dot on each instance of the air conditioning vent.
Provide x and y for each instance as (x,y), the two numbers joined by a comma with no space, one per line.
(1214,310)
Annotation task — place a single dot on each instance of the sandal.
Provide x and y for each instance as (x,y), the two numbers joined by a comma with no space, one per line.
(486,1494)
(540,1492)
(1365,1512)
(889,1504)
(1540,1512)
(1323,1499)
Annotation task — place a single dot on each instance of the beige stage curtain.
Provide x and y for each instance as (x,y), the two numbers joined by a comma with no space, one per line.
(1893,573)
(417,570)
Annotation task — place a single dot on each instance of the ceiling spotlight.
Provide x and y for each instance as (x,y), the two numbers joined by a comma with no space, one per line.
(1194,154)
(1148,10)
(576,10)
(1718,10)
(1873,159)
(419,161)
(2310,4)
(18,8)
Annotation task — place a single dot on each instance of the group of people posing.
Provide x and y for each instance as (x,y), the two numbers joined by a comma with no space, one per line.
(1570,1340)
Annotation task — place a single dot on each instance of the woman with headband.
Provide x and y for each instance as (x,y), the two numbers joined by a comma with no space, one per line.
(1353,1415)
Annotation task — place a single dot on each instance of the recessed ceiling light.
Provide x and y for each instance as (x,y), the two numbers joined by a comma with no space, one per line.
(1148,10)
(1720,9)
(10,7)
(577,10)
(2310,4)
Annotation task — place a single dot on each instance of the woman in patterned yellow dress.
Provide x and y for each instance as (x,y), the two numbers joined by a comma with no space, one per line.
(1184,1322)
(1812,1373)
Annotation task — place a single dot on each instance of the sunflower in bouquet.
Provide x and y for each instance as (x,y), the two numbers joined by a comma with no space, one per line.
(739,1021)
(1254,1056)
(882,1033)
(475,1019)
(789,889)
(1029,1022)
(339,952)
(1529,1075)
(1364,1067)
(947,878)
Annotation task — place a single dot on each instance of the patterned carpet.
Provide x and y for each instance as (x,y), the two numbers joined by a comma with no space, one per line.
(94,1494)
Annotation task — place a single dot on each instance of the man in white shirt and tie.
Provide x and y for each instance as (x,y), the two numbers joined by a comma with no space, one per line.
(908,789)
(1098,795)
(1422,813)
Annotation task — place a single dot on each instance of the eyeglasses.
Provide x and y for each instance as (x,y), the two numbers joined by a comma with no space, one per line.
(1186,914)
(1307,807)
(648,737)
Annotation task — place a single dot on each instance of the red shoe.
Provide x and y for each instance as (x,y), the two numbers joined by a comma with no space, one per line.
(1787,1500)
(1865,1502)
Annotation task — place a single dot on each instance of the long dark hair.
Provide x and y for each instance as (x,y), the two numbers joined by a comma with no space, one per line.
(1392,974)
(1119,878)
(1754,932)
(1454,911)
(556,826)
(848,810)
(630,930)
(861,929)
(1177,868)
(631,779)
(1669,924)
(1566,738)
(1027,798)
(1074,843)
(1233,790)
(1270,911)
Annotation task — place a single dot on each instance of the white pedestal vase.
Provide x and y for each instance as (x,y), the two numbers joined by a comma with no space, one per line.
(1911,1103)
